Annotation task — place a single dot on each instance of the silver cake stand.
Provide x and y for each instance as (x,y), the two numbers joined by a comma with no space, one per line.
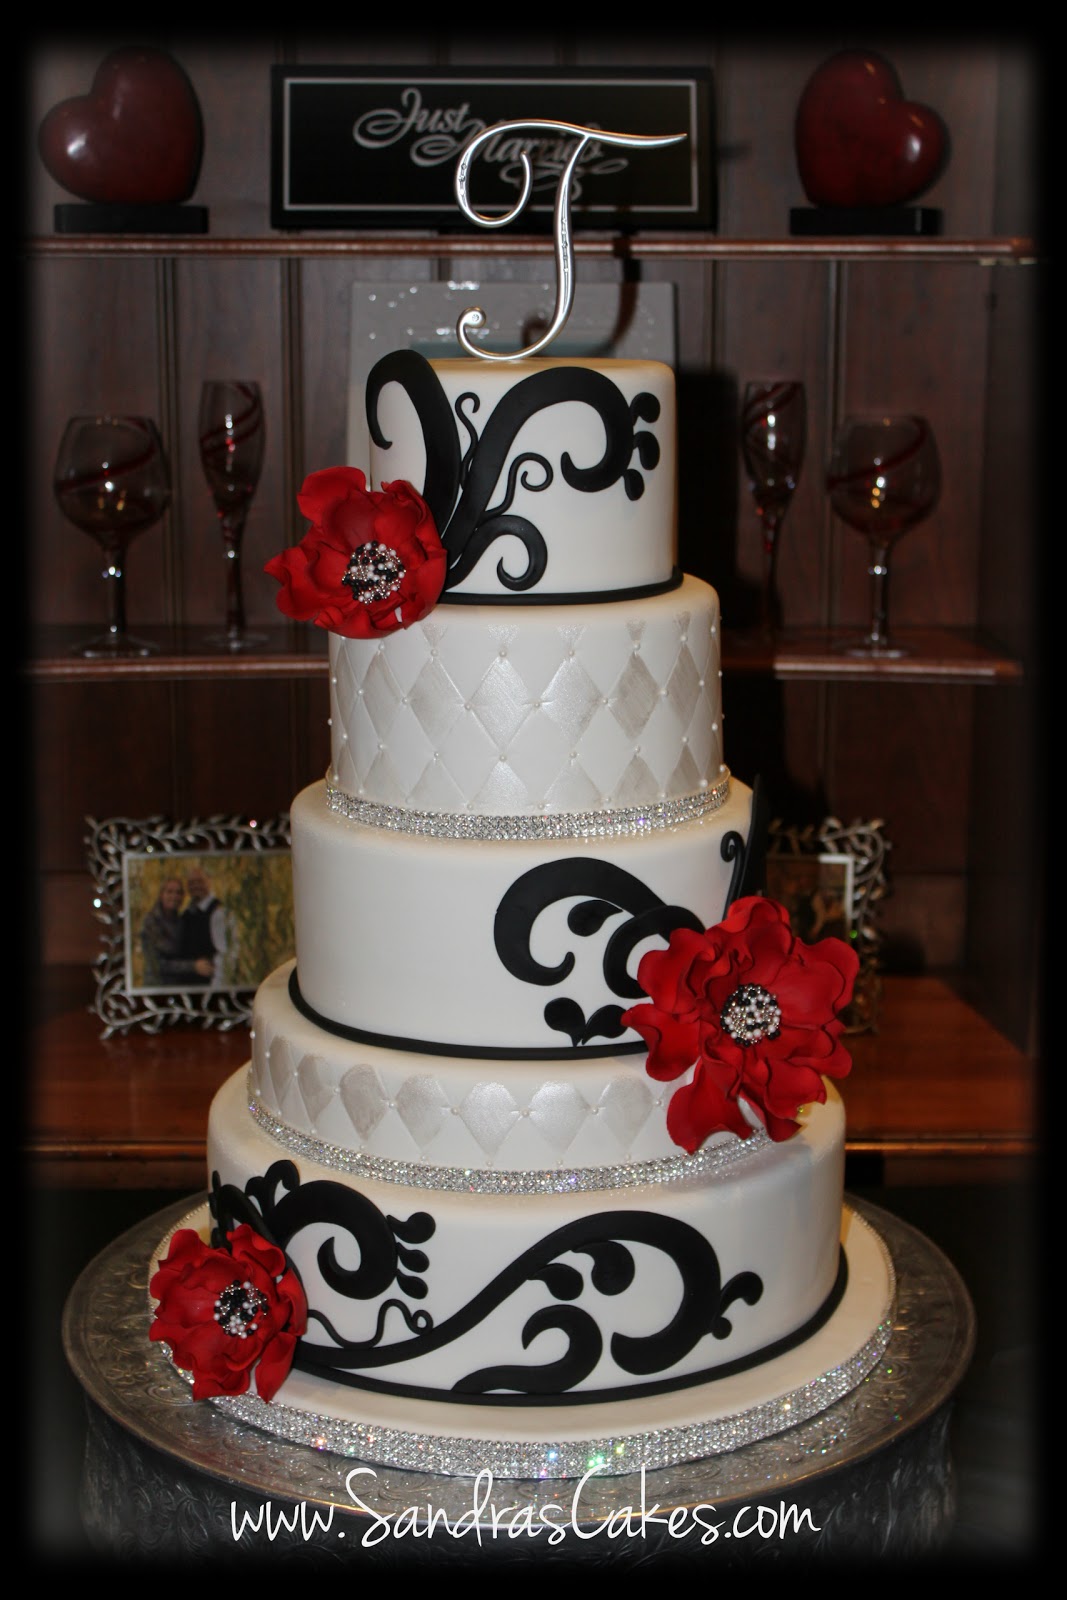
(167,1478)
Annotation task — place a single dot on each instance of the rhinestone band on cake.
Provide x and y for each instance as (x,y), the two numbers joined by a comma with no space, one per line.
(613,823)
(710,1159)
(614,1455)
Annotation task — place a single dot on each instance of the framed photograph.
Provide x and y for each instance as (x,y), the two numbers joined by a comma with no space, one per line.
(370,147)
(831,878)
(816,890)
(632,321)
(196,915)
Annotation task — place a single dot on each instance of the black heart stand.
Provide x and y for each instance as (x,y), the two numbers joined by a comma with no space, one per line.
(138,218)
(897,222)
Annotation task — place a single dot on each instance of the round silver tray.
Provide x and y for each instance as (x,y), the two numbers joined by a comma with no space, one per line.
(164,1475)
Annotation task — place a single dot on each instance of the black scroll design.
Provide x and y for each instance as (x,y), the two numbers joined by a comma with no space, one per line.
(701,1309)
(608,891)
(457,489)
(749,857)
(278,1206)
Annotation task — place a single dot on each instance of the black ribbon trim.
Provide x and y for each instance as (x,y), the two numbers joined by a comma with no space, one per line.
(471,1052)
(715,1374)
(592,597)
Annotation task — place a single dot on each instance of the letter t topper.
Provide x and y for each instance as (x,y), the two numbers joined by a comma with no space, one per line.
(474,316)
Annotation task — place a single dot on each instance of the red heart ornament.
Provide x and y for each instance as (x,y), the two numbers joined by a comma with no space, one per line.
(135,139)
(859,142)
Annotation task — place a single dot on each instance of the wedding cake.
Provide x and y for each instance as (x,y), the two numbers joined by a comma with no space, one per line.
(538,1153)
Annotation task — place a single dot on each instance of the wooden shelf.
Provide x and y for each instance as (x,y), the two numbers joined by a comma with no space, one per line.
(936,655)
(637,247)
(182,653)
(935,1081)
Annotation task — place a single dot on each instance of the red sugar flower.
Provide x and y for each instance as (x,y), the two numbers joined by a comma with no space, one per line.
(371,562)
(225,1312)
(754,1010)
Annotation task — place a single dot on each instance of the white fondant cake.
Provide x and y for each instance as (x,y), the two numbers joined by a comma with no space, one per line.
(581,451)
(545,709)
(450,1125)
(658,1282)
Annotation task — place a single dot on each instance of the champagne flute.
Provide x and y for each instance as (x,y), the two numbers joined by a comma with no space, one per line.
(773,435)
(232,437)
(111,480)
(884,478)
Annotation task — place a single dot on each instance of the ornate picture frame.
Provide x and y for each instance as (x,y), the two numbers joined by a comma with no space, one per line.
(196,914)
(831,878)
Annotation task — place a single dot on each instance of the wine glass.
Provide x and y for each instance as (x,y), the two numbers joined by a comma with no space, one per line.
(884,477)
(232,436)
(111,480)
(773,435)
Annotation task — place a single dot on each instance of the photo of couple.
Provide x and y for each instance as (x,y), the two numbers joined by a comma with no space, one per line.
(207,923)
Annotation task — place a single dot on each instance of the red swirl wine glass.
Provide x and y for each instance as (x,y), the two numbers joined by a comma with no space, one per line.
(111,479)
(884,477)
(232,438)
(773,436)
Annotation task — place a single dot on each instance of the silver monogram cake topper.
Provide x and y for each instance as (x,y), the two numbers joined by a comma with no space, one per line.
(474,316)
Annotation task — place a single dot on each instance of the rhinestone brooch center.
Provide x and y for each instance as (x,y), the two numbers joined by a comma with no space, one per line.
(374,572)
(751,1014)
(237,1308)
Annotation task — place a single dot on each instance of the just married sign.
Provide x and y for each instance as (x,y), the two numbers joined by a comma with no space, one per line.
(377,148)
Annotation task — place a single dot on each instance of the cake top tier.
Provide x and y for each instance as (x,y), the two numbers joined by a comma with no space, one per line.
(547,479)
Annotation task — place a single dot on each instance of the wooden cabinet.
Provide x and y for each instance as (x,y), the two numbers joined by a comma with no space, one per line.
(942,747)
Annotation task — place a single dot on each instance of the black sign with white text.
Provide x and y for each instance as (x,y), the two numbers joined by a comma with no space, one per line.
(367,148)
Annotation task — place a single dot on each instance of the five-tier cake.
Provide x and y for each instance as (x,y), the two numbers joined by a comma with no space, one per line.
(538,1145)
